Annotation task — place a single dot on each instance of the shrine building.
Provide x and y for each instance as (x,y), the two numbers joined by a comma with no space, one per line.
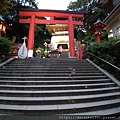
(60,35)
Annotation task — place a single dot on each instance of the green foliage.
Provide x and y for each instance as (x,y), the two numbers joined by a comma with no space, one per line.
(78,4)
(42,53)
(4,6)
(109,51)
(12,17)
(104,36)
(94,11)
(81,35)
(20,30)
(105,50)
(5,46)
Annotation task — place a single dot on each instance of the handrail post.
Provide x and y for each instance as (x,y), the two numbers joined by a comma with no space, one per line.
(79,53)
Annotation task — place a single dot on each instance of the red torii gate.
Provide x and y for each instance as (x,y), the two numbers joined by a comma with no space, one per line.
(32,20)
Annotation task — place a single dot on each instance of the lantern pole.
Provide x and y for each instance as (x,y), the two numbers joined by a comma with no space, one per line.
(98,35)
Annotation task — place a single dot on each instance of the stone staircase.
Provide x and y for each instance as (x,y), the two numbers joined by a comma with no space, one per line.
(37,86)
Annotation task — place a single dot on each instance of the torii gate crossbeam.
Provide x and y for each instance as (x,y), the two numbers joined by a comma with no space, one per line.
(32,20)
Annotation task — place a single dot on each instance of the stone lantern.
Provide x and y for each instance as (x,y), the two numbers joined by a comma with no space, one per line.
(97,29)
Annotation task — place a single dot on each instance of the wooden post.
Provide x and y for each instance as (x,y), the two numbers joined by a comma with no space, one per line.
(80,52)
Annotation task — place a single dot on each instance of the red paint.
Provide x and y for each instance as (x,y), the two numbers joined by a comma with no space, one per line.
(51,21)
(79,54)
(71,37)
(98,37)
(50,14)
(31,33)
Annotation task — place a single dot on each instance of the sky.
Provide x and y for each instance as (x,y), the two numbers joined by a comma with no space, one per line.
(53,4)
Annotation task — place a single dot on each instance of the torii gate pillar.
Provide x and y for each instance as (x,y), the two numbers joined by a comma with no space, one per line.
(31,36)
(71,37)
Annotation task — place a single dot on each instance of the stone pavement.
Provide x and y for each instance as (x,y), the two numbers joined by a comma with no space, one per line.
(23,117)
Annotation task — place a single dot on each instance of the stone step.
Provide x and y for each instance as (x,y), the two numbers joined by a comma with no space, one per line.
(56,87)
(51,74)
(50,63)
(17,71)
(34,60)
(100,114)
(44,93)
(59,109)
(53,78)
(55,82)
(53,100)
(49,69)
(54,64)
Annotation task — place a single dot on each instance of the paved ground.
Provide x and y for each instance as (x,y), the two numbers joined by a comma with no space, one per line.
(60,117)
(20,117)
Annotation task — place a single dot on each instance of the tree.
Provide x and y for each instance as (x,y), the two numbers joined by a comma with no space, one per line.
(12,17)
(20,30)
(30,3)
(4,6)
(94,11)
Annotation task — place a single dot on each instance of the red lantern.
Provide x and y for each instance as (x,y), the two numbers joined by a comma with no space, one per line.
(97,29)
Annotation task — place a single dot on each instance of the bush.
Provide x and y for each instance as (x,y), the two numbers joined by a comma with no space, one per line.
(5,46)
(104,50)
(108,51)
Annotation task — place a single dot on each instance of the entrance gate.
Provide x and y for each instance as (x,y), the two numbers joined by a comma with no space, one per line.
(70,17)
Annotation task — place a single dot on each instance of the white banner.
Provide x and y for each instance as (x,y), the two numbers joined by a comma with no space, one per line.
(22,53)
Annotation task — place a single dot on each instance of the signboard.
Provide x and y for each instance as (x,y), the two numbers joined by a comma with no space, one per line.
(22,53)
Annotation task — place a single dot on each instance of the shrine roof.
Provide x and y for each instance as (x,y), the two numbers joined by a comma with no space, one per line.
(47,10)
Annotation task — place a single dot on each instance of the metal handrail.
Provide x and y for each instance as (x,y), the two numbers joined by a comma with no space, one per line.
(104,61)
